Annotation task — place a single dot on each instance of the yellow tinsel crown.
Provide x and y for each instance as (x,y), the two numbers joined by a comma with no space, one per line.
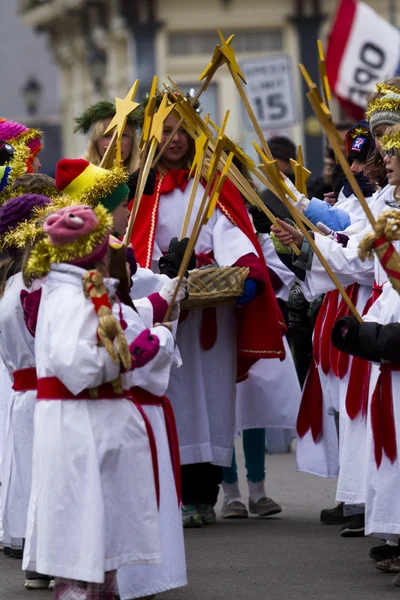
(388,103)
(390,140)
(44,254)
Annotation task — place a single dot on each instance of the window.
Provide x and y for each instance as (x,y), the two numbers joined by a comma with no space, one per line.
(252,40)
(208,100)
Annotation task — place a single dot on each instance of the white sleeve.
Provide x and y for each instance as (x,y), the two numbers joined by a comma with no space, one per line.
(153,377)
(344,262)
(66,344)
(275,264)
(229,242)
(145,282)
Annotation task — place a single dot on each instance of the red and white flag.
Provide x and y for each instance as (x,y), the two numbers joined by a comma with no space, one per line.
(363,49)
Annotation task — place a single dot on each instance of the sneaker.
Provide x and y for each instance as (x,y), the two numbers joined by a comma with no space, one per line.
(39,583)
(333,516)
(355,527)
(190,516)
(234,510)
(384,551)
(390,565)
(265,507)
(207,514)
(52,583)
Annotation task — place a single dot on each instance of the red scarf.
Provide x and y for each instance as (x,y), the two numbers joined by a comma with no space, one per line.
(259,323)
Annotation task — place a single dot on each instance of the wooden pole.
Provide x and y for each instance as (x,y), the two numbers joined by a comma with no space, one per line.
(308,237)
(203,215)
(190,205)
(324,117)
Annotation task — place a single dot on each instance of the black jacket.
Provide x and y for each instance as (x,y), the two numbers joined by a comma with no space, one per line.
(371,341)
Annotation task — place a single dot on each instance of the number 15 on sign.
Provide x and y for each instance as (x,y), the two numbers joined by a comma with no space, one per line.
(270,90)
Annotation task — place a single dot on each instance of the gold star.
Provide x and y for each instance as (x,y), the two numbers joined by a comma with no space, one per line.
(157,125)
(216,61)
(200,144)
(124,107)
(149,113)
(230,56)
(301,173)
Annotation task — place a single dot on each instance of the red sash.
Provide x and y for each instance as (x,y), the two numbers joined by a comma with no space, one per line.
(144,398)
(24,380)
(324,354)
(51,388)
(358,388)
(382,418)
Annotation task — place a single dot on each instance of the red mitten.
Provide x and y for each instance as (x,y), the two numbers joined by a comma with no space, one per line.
(30,302)
(144,348)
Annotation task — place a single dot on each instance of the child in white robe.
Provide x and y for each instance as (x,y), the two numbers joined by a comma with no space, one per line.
(86,517)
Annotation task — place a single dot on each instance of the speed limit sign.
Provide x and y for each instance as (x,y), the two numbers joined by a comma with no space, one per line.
(270,90)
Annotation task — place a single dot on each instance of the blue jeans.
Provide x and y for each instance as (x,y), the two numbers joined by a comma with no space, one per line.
(254,455)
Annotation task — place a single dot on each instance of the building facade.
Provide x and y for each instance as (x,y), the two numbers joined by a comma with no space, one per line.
(101,46)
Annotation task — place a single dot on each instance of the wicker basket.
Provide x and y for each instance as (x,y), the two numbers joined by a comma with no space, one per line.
(214,286)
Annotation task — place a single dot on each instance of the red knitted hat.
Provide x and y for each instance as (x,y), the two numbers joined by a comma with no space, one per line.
(90,184)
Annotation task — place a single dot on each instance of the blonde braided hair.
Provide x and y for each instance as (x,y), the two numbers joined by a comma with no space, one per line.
(109,329)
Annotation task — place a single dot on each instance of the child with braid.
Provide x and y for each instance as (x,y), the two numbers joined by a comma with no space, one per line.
(93,506)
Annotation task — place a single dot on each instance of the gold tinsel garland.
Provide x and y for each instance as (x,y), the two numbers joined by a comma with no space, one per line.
(390,140)
(102,186)
(19,160)
(44,254)
(29,231)
(382,104)
(384,88)
(360,132)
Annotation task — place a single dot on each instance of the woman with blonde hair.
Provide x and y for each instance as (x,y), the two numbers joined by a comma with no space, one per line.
(94,122)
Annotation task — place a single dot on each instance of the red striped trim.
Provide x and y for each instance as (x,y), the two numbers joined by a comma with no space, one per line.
(338,39)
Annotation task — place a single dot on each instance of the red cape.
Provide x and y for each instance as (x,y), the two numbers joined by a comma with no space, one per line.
(260,322)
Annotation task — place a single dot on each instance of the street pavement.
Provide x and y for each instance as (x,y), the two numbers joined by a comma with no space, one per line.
(291,556)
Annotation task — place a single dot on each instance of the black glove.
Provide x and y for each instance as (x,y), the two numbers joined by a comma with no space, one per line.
(170,263)
(148,188)
(260,220)
(345,334)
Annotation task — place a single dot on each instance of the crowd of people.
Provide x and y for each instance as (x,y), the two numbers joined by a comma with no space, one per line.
(119,406)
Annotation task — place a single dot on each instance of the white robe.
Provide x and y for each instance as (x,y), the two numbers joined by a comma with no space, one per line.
(93,505)
(382,486)
(5,396)
(137,581)
(270,396)
(17,352)
(203,391)
(324,457)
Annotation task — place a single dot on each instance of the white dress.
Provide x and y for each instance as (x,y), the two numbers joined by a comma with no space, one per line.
(93,505)
(203,390)
(5,396)
(17,352)
(324,457)
(382,485)
(270,396)
(138,581)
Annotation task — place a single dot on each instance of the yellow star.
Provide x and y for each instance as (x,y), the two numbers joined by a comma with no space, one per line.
(149,113)
(301,173)
(124,107)
(230,56)
(200,144)
(216,61)
(157,125)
